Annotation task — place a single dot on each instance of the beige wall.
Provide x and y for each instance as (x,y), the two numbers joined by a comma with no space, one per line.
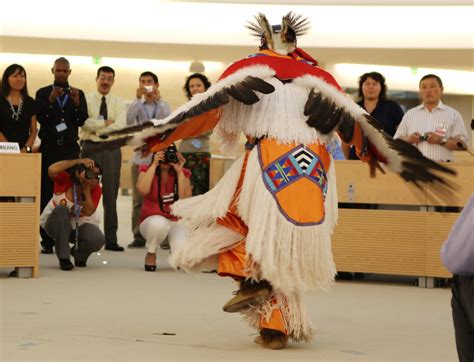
(171,84)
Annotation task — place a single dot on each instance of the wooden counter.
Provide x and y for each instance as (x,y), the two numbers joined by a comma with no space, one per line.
(405,232)
(20,184)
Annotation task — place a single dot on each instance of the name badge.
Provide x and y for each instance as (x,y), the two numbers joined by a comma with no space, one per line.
(61,127)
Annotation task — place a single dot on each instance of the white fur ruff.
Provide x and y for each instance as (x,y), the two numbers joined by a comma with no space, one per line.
(292,258)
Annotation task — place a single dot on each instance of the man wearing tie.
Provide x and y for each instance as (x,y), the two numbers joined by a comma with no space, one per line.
(106,113)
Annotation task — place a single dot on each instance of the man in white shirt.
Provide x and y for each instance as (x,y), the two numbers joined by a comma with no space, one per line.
(147,105)
(106,113)
(436,129)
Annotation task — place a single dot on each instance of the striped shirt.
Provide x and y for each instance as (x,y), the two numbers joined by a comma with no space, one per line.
(442,120)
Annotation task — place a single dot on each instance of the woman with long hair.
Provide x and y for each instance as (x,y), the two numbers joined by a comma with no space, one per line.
(17,109)
(161,183)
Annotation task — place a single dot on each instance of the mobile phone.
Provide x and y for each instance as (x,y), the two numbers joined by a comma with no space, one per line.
(148,88)
(423,137)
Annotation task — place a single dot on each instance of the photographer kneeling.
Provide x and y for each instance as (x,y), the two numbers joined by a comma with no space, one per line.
(70,216)
(161,183)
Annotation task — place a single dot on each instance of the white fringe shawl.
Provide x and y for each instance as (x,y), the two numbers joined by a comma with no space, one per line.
(295,318)
(292,258)
(202,210)
(204,238)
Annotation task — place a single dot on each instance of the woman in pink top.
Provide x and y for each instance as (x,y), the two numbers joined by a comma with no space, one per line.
(161,183)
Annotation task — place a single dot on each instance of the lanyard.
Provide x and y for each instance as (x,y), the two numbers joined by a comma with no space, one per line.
(63,102)
(155,109)
(77,212)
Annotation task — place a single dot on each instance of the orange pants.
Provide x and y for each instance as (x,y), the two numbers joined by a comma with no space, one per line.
(232,263)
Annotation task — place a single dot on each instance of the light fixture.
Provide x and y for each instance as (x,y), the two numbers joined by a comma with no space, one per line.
(197,67)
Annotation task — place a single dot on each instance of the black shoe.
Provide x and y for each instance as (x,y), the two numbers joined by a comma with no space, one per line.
(165,245)
(80,264)
(65,264)
(114,247)
(150,268)
(46,250)
(136,244)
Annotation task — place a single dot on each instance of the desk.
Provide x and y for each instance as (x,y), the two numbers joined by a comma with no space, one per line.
(19,217)
(405,233)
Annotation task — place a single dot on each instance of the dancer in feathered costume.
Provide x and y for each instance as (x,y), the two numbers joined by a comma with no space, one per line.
(268,222)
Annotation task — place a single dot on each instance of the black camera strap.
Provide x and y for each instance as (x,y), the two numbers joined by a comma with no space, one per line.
(77,213)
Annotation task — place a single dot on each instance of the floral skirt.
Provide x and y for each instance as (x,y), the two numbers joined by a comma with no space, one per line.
(198,163)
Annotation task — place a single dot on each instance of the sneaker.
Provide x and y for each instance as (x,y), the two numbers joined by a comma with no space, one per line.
(80,264)
(136,244)
(65,264)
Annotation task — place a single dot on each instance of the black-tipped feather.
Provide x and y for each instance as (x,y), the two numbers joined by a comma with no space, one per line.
(296,22)
(131,129)
(258,85)
(108,145)
(346,125)
(242,94)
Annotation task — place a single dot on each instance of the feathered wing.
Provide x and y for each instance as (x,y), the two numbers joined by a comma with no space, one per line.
(202,112)
(329,110)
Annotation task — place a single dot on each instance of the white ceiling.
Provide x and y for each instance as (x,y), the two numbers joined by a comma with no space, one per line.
(222,23)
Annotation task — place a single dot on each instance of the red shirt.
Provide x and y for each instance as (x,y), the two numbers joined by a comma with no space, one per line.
(151,205)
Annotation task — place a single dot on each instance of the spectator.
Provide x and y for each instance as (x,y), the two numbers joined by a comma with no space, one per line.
(139,112)
(106,113)
(197,151)
(17,109)
(435,128)
(70,216)
(162,183)
(373,98)
(457,254)
(62,109)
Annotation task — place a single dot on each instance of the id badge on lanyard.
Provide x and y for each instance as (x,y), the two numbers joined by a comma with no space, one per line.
(62,126)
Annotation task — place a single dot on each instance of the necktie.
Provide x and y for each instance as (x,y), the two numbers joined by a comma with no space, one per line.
(103,108)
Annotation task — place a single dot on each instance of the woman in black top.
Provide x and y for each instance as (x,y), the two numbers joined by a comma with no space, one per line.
(17,109)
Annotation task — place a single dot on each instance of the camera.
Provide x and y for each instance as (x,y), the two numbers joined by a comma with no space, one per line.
(89,173)
(148,88)
(423,137)
(171,155)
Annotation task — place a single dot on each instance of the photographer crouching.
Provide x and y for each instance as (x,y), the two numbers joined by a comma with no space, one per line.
(70,216)
(162,183)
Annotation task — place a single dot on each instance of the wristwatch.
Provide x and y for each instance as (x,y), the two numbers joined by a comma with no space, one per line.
(28,149)
(443,141)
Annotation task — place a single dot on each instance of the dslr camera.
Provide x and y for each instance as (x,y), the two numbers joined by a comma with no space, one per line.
(171,154)
(89,172)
